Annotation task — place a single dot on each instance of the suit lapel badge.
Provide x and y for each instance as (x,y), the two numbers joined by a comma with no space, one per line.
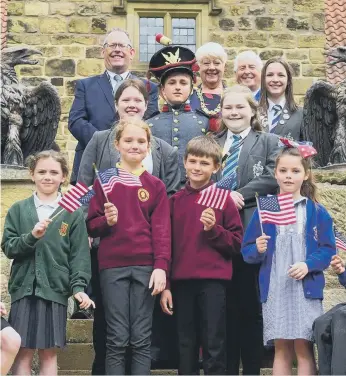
(63,229)
(258,169)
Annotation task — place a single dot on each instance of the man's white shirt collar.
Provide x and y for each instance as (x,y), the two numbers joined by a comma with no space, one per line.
(123,75)
(254,93)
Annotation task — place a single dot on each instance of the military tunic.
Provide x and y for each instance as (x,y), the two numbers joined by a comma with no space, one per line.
(178,126)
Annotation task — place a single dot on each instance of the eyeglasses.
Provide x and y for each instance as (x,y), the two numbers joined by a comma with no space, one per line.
(115,46)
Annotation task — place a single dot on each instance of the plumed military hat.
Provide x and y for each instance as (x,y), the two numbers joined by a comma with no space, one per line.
(172,59)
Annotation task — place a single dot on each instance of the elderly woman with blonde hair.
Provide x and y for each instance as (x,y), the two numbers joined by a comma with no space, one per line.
(211,58)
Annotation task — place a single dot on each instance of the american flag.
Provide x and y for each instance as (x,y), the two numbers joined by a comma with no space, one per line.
(110,177)
(215,196)
(278,210)
(76,197)
(340,240)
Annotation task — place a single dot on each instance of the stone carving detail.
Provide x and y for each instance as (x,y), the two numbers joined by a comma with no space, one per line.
(325,116)
(3,11)
(29,115)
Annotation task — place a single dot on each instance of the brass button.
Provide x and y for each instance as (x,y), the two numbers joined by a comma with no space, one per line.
(175,147)
(176,113)
(150,124)
(175,138)
(200,122)
(176,129)
(157,118)
(203,130)
(194,116)
(176,121)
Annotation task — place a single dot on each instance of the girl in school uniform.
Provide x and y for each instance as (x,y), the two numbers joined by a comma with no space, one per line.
(292,259)
(251,154)
(51,261)
(134,251)
(279,112)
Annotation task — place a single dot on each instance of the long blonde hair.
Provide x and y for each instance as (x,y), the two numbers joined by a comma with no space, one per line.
(247,94)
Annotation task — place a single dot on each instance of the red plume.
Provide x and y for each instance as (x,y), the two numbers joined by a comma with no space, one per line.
(195,67)
(162,39)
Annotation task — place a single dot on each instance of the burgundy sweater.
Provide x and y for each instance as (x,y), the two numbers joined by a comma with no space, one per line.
(199,254)
(142,235)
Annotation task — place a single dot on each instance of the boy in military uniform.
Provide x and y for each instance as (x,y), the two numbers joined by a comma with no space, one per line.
(174,66)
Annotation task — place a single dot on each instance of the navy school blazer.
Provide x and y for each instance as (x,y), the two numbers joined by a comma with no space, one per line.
(320,247)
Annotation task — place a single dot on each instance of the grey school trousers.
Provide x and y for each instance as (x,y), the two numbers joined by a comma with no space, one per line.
(128,306)
(330,337)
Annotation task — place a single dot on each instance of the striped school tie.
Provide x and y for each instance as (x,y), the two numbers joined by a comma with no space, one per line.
(232,161)
(277,114)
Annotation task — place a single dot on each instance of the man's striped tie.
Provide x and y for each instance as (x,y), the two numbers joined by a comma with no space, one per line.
(232,161)
(277,114)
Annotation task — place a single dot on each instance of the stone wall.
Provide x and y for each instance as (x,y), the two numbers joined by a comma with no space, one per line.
(69,33)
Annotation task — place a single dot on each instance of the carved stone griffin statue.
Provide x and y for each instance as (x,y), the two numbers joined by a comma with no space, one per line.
(29,115)
(325,116)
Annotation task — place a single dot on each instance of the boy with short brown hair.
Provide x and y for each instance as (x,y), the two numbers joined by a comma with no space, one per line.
(203,242)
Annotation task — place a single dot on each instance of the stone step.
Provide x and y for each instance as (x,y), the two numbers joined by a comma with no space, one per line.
(264,372)
(76,356)
(79,331)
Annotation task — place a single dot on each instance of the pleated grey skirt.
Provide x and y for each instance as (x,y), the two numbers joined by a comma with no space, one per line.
(40,323)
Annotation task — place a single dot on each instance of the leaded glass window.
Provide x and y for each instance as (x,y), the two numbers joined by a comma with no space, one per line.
(148,28)
(184,32)
(181,30)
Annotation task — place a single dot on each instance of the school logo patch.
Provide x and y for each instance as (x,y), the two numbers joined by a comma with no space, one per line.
(63,229)
(258,169)
(143,194)
(315,233)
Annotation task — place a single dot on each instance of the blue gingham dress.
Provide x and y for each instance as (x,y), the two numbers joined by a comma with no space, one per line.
(287,314)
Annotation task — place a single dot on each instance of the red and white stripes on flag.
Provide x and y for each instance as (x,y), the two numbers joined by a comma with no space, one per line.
(112,176)
(278,210)
(213,197)
(69,200)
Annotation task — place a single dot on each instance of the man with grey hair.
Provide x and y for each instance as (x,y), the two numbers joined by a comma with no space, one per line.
(247,68)
(93,108)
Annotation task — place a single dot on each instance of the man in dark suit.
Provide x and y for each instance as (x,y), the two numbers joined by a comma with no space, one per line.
(247,68)
(93,108)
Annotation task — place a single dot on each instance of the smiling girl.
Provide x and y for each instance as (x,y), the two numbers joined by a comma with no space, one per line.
(292,260)
(134,251)
(280,113)
(250,154)
(51,261)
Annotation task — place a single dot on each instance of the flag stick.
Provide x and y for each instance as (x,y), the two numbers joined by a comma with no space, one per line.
(54,216)
(259,214)
(99,179)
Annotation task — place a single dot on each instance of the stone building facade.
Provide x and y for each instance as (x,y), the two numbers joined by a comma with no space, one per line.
(69,33)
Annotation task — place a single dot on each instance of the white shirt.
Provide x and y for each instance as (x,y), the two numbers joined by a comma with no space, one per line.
(229,139)
(113,81)
(271,112)
(148,162)
(254,93)
(45,209)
